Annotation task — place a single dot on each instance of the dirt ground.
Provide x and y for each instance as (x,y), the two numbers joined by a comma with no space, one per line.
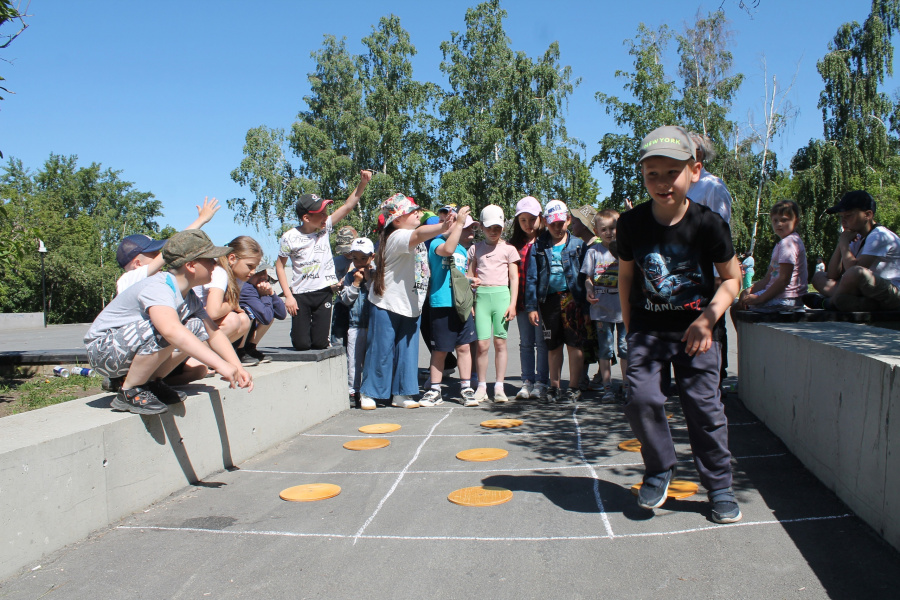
(26,390)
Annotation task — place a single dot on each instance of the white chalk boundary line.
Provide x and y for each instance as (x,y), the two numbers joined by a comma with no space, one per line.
(597,499)
(464,538)
(400,477)
(497,470)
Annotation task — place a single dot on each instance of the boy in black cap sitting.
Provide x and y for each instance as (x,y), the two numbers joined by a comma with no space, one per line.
(308,296)
(135,335)
(673,312)
(139,254)
(864,271)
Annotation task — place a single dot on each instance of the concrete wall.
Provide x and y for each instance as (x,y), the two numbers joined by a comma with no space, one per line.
(73,468)
(829,390)
(21,320)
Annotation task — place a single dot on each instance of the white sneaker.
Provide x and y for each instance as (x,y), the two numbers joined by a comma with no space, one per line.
(481,394)
(468,397)
(431,398)
(404,402)
(366,403)
(539,391)
(526,391)
(500,395)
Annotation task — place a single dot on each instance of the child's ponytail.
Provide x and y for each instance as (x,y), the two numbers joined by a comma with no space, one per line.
(379,259)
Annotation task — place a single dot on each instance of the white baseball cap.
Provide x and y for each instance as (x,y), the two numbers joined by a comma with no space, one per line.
(492,215)
(363,245)
(556,210)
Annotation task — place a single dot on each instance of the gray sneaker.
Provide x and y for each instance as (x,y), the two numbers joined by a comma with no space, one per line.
(652,493)
(552,395)
(468,397)
(608,396)
(725,508)
(431,398)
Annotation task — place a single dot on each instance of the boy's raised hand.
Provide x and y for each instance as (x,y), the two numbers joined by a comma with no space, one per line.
(365,176)
(210,207)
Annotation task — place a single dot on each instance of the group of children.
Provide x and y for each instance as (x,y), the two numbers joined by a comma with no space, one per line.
(648,274)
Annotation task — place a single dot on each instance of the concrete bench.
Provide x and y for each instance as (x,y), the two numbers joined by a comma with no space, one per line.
(73,468)
(831,392)
(816,316)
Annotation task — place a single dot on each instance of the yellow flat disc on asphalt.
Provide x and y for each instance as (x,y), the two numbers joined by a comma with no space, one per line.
(501,423)
(310,492)
(379,428)
(670,415)
(630,446)
(482,454)
(482,495)
(677,489)
(367,444)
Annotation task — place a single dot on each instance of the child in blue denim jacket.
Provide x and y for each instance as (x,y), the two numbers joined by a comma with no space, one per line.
(354,294)
(554,297)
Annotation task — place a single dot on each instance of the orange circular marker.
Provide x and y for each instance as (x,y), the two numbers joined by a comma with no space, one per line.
(630,446)
(482,495)
(310,492)
(482,454)
(501,423)
(379,428)
(678,489)
(367,444)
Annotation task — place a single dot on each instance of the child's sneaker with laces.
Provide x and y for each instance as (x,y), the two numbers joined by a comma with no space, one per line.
(468,397)
(539,392)
(573,395)
(431,398)
(597,382)
(608,396)
(525,392)
(552,395)
(164,392)
(500,395)
(404,402)
(138,400)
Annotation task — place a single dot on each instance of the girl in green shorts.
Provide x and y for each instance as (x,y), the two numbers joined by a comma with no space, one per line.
(492,263)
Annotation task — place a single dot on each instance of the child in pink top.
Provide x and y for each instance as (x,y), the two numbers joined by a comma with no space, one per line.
(493,262)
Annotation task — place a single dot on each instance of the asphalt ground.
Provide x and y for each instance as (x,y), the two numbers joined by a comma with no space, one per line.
(571,530)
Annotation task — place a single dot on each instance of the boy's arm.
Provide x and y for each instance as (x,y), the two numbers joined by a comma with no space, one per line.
(698,336)
(165,320)
(626,276)
(221,345)
(452,241)
(352,199)
(290,303)
(216,307)
(427,232)
(530,300)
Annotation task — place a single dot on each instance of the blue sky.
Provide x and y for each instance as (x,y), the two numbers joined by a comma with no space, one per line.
(166,91)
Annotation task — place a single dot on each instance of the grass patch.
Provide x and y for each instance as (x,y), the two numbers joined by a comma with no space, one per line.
(21,391)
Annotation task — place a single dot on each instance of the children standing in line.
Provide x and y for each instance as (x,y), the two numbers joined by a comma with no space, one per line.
(554,293)
(354,294)
(602,288)
(397,294)
(786,280)
(312,265)
(448,331)
(134,338)
(527,225)
(673,312)
(493,262)
(263,306)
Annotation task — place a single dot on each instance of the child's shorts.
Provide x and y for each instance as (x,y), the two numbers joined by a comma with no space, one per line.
(491,303)
(112,354)
(610,344)
(564,317)
(448,332)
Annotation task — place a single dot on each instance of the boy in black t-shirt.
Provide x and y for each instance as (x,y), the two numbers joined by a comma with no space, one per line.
(673,314)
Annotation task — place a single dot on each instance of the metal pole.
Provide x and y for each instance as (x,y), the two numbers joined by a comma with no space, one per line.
(43,289)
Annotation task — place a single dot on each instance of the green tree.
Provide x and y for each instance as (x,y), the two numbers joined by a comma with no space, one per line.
(859,149)
(653,104)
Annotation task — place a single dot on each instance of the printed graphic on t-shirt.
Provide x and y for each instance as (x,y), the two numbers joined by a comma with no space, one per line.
(672,280)
(460,260)
(606,274)
(422,272)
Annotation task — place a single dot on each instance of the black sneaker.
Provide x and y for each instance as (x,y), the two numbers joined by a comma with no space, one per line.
(164,392)
(552,396)
(652,493)
(262,358)
(725,508)
(813,300)
(246,359)
(138,400)
(574,396)
(112,384)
